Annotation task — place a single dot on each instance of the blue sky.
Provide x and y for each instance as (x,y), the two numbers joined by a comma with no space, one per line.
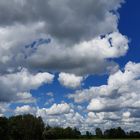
(129,25)
(79,61)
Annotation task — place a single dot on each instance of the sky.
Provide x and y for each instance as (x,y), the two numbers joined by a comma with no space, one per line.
(74,63)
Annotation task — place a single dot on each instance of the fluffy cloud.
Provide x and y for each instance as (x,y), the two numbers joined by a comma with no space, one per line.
(16,86)
(121,92)
(126,114)
(88,57)
(91,120)
(13,42)
(69,119)
(103,104)
(101,118)
(25,109)
(70,80)
(87,52)
(65,20)
(55,109)
(112,119)
(121,85)
(114,104)
(96,105)
(4,107)
(62,114)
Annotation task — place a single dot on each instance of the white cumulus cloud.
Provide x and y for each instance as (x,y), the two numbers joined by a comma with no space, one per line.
(55,109)
(16,86)
(70,80)
(25,109)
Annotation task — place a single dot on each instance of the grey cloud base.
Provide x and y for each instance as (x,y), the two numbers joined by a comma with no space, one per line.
(68,24)
(66,20)
(88,57)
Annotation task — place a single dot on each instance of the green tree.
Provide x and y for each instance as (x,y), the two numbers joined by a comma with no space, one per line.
(4,128)
(88,134)
(98,132)
(77,133)
(26,127)
(16,128)
(120,133)
(115,133)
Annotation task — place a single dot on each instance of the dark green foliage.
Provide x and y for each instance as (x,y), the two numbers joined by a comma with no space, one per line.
(57,132)
(3,128)
(115,133)
(99,133)
(88,134)
(26,127)
(29,127)
(133,134)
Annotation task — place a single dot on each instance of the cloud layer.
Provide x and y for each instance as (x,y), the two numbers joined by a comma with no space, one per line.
(75,29)
(68,20)
(16,86)
(84,58)
(119,97)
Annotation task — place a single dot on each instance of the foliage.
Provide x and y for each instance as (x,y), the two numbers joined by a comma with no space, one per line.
(57,132)
(115,133)
(99,132)
(29,127)
(3,128)
(22,127)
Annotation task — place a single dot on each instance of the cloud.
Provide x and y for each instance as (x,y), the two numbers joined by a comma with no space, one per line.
(56,115)
(121,92)
(101,118)
(114,104)
(70,80)
(55,109)
(16,86)
(25,109)
(4,107)
(13,42)
(69,119)
(96,105)
(103,104)
(126,114)
(82,39)
(84,58)
(64,20)
(87,57)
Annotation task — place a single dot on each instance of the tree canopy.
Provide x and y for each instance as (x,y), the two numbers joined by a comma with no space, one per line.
(29,127)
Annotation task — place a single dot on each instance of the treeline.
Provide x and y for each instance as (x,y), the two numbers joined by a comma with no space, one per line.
(113,133)
(29,127)
(22,127)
